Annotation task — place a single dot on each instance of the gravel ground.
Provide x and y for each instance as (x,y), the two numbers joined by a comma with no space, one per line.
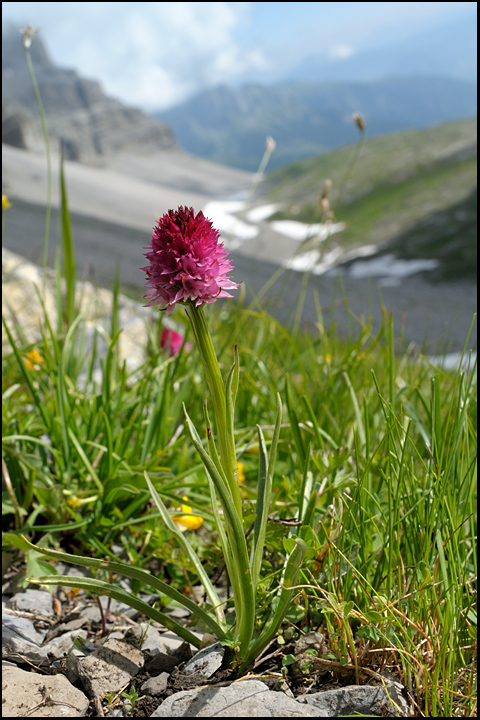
(435,317)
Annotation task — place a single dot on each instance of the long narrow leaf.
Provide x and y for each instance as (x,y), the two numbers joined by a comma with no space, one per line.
(272,456)
(62,395)
(292,567)
(26,374)
(235,376)
(120,568)
(85,460)
(104,588)
(230,442)
(212,448)
(236,536)
(68,247)
(306,488)
(232,569)
(319,432)
(297,437)
(262,509)
(190,552)
(356,407)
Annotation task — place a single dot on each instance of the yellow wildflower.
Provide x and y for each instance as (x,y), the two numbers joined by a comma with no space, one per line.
(189,521)
(33,358)
(73,502)
(241,476)
(328,359)
(5,203)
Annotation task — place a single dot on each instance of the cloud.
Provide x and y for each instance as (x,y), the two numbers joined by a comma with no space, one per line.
(150,54)
(156,54)
(340,52)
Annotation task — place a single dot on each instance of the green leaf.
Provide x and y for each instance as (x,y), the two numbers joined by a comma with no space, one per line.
(34,565)
(374,617)
(369,633)
(104,588)
(319,432)
(262,509)
(244,603)
(264,492)
(290,574)
(288,544)
(294,426)
(183,542)
(347,607)
(142,576)
(15,540)
(68,246)
(8,508)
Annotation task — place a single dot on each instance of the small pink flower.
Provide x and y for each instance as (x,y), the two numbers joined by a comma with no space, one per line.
(187,263)
(172,342)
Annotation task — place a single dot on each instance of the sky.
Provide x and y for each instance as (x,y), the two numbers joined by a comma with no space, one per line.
(154,55)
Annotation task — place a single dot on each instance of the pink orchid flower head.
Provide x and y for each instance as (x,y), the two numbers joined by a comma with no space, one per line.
(187,263)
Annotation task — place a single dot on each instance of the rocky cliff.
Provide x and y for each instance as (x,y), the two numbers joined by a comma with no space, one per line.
(90,124)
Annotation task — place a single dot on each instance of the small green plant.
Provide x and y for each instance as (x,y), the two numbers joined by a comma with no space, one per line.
(243,565)
(131,699)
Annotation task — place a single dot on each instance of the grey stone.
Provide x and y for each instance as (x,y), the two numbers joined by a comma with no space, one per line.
(19,638)
(172,642)
(365,699)
(166,662)
(206,662)
(177,613)
(73,570)
(91,613)
(108,668)
(22,691)
(248,698)
(149,637)
(311,641)
(156,685)
(73,663)
(61,645)
(23,627)
(34,601)
(67,627)
(162,663)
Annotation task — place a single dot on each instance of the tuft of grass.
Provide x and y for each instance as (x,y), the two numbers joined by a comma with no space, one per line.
(387,435)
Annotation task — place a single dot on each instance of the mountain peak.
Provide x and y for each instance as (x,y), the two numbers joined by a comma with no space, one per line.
(90,124)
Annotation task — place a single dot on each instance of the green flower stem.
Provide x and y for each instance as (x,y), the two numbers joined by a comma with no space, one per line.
(226,440)
(290,574)
(241,578)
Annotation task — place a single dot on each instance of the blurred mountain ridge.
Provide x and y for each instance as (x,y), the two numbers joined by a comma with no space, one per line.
(229,125)
(90,124)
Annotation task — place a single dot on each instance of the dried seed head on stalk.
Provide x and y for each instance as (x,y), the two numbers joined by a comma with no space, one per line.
(270,145)
(327,186)
(325,205)
(28,33)
(359,121)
